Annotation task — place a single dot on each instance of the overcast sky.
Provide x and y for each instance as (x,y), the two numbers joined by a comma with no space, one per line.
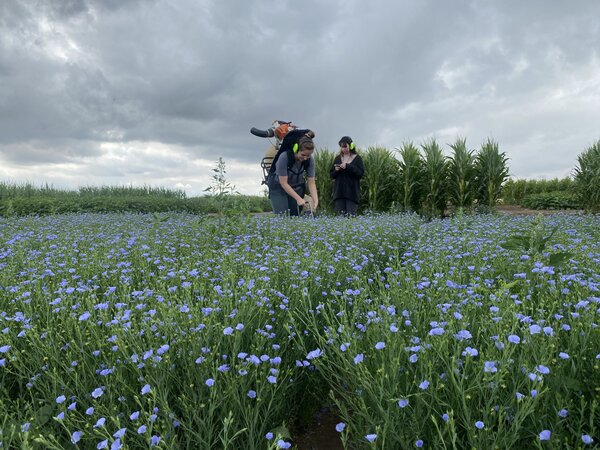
(153,92)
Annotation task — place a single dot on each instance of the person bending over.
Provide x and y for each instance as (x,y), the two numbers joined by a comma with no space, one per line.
(288,186)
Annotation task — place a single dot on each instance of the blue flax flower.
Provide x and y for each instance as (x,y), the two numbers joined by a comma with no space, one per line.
(371,437)
(314,354)
(545,435)
(76,436)
(514,339)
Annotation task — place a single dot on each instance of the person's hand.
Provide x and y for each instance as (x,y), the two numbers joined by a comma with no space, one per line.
(315,204)
(301,202)
(336,167)
(342,165)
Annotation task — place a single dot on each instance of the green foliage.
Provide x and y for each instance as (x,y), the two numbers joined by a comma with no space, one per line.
(216,333)
(534,242)
(378,185)
(410,176)
(515,191)
(461,175)
(27,190)
(435,173)
(323,163)
(40,206)
(587,177)
(552,200)
(491,171)
(221,186)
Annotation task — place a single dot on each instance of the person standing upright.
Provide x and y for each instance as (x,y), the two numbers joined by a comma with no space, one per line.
(347,170)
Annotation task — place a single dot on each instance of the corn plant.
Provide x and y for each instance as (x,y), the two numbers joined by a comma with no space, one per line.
(323,163)
(587,177)
(461,175)
(379,181)
(411,172)
(491,171)
(435,170)
(514,191)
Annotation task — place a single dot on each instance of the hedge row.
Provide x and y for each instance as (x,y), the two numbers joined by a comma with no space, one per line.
(196,205)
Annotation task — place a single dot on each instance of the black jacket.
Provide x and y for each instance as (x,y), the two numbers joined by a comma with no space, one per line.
(346,182)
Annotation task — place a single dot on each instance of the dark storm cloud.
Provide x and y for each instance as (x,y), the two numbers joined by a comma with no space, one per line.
(197,74)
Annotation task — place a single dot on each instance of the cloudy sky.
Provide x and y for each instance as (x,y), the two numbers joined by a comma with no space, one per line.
(153,92)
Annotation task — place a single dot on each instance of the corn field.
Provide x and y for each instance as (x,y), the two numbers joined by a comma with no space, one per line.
(422,179)
(587,178)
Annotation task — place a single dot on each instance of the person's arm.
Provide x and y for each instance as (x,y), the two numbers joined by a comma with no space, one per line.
(312,189)
(335,169)
(283,181)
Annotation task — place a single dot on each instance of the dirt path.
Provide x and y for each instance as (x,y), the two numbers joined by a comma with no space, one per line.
(516,210)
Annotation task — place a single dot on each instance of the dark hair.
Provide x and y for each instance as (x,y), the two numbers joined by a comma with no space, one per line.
(305,143)
(347,140)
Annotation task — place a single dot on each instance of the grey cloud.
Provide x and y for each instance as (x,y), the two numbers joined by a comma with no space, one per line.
(198,74)
(60,151)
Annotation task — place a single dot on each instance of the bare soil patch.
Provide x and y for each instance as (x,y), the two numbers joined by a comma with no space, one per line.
(516,210)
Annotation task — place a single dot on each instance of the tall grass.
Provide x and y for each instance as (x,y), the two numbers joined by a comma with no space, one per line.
(461,175)
(10,190)
(491,171)
(587,177)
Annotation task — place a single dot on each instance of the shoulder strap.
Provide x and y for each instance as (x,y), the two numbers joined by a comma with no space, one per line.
(287,145)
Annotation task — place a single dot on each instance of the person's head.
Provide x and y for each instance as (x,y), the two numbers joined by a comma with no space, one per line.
(306,147)
(347,145)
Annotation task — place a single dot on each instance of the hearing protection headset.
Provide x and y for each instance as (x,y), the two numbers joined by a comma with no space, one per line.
(306,138)
(348,140)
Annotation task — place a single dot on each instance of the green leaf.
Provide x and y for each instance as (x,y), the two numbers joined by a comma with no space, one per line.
(43,415)
(282,431)
(558,259)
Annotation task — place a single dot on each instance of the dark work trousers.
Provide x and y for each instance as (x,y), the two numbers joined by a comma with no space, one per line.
(344,206)
(283,203)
